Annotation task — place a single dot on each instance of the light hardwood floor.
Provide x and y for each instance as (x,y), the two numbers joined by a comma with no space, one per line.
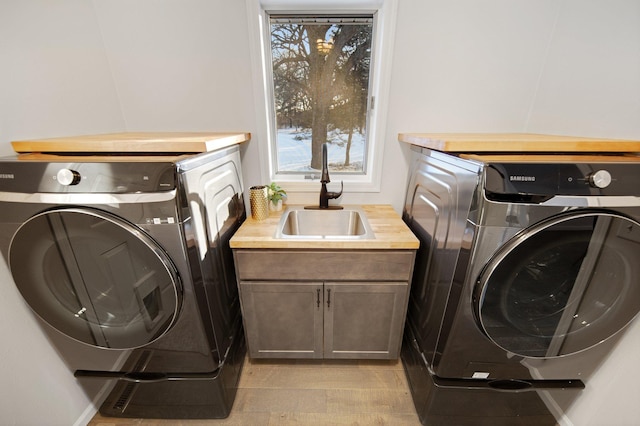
(310,393)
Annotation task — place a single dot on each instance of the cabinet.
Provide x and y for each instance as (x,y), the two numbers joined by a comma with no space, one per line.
(325,304)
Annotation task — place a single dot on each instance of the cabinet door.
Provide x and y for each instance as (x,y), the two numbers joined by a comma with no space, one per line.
(283,320)
(364,320)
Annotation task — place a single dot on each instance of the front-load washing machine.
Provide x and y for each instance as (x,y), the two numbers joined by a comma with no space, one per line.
(527,276)
(130,253)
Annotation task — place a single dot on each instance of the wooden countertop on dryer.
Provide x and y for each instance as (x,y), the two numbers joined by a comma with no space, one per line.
(389,229)
(516,143)
(134,142)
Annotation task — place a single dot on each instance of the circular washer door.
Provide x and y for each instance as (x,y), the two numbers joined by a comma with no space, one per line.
(562,286)
(95,277)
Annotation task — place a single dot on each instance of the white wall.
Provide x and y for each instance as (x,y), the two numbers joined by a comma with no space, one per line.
(54,81)
(611,396)
(54,72)
(563,67)
(79,67)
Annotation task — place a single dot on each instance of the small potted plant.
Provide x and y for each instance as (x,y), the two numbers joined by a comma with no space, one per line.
(276,195)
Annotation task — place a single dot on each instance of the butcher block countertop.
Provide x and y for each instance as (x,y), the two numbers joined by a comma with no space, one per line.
(134,142)
(391,233)
(516,143)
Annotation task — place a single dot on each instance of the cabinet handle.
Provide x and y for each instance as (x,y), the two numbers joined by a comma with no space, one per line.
(328,298)
(318,298)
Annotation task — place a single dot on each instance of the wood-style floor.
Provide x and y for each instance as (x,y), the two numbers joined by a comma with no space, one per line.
(310,393)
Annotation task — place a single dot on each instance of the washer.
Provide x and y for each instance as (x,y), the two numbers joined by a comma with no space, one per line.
(526,278)
(130,254)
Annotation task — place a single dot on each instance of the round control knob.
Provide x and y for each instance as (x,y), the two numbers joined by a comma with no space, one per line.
(68,177)
(600,179)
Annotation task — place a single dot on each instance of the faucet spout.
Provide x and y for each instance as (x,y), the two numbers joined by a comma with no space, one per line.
(326,195)
(325,165)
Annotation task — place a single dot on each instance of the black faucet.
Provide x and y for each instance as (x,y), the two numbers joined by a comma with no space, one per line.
(325,195)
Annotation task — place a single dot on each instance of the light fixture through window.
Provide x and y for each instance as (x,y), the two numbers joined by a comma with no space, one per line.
(324,47)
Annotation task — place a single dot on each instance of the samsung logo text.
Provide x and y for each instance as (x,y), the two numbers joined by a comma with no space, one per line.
(522,178)
(7,176)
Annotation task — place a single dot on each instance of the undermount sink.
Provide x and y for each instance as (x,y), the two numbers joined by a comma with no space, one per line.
(349,223)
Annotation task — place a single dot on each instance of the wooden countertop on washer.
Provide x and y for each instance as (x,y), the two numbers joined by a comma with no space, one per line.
(516,143)
(134,142)
(389,229)
(553,158)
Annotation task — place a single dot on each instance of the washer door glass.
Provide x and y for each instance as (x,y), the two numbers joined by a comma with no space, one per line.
(563,286)
(95,277)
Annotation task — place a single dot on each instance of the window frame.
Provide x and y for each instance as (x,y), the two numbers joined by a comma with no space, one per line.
(383,12)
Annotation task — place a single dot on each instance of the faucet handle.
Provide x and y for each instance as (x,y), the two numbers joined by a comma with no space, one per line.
(334,195)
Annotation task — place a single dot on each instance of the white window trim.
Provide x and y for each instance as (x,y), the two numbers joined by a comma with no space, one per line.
(385,16)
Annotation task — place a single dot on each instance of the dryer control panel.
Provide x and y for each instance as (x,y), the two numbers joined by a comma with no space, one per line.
(86,177)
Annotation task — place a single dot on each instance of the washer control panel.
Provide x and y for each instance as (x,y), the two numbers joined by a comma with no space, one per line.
(535,182)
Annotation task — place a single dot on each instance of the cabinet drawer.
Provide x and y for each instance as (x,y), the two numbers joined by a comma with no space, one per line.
(324,265)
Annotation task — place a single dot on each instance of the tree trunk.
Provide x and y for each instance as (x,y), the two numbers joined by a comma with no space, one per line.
(321,69)
(347,155)
(319,125)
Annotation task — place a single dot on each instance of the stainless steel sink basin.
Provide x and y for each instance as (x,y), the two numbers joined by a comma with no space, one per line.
(350,223)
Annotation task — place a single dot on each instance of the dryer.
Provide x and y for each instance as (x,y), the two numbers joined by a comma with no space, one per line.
(129,253)
(526,278)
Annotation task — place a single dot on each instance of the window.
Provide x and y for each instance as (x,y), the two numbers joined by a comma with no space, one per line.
(313,62)
(320,72)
